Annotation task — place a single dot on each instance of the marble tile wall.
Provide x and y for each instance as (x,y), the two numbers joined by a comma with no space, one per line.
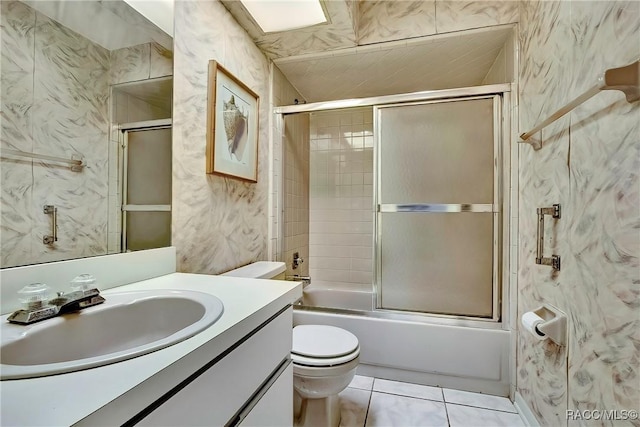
(589,163)
(383,20)
(218,223)
(457,15)
(140,62)
(61,109)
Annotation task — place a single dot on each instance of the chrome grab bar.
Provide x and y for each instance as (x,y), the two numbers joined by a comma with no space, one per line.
(53,237)
(554,260)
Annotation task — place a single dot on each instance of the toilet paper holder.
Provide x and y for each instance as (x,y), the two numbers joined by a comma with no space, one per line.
(554,323)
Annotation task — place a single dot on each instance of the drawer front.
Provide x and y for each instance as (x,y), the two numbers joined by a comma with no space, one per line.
(275,408)
(214,397)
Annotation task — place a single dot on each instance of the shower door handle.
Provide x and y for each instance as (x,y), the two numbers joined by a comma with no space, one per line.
(554,260)
(439,208)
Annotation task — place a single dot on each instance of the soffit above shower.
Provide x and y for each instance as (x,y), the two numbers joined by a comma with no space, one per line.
(113,24)
(156,92)
(365,22)
(430,63)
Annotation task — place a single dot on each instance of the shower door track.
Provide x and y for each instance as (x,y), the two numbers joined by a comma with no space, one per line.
(409,316)
(427,95)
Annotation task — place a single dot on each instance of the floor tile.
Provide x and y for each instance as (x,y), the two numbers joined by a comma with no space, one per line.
(407,389)
(479,400)
(467,416)
(390,410)
(359,381)
(353,407)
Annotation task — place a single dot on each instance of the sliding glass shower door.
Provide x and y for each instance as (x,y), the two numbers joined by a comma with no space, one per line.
(437,206)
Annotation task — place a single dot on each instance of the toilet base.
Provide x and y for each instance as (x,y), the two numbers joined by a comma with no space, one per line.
(323,412)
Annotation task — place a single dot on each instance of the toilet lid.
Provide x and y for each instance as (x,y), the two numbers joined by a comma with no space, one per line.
(323,341)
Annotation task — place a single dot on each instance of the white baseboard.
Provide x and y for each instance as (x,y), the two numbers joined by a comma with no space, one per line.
(525,412)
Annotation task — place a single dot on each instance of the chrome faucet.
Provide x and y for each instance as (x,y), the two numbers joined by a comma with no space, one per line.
(296,260)
(61,304)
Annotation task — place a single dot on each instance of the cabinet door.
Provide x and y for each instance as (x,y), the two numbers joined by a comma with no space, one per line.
(213,398)
(275,408)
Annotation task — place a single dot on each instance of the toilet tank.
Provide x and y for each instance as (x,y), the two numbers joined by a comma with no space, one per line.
(260,270)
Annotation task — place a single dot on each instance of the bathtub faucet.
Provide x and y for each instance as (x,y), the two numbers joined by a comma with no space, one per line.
(306,280)
(296,260)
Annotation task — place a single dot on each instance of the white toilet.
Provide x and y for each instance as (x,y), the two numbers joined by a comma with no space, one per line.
(324,359)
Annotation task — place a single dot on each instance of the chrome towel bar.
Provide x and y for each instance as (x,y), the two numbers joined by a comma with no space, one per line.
(76,163)
(625,79)
(554,260)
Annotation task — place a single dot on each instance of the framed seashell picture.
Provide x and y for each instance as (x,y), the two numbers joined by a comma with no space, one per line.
(232,126)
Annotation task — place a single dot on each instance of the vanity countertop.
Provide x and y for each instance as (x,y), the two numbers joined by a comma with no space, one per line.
(112,394)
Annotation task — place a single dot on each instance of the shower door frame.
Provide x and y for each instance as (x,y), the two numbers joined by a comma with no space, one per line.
(506,261)
(125,207)
(495,208)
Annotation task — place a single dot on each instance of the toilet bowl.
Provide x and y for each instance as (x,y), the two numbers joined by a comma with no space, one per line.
(324,359)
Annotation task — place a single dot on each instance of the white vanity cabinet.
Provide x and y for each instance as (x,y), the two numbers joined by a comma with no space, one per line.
(235,372)
(250,384)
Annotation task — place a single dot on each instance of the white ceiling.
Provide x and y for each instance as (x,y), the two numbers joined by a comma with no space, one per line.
(437,62)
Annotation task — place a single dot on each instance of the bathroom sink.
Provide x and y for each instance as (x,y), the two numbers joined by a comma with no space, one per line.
(126,325)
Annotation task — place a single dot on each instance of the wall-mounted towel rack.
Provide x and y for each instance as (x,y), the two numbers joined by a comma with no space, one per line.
(76,163)
(625,79)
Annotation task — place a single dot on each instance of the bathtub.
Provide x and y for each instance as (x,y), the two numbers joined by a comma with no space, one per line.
(462,354)
(350,296)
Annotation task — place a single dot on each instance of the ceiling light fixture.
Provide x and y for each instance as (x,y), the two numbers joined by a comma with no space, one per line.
(283,15)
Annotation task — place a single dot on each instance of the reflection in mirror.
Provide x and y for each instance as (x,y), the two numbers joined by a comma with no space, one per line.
(78,77)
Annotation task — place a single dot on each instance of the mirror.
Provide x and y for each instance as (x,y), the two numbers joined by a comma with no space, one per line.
(77,79)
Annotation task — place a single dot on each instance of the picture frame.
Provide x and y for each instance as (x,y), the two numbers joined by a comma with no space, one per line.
(232,126)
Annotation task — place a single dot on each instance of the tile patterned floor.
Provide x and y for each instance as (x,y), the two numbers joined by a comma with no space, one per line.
(369,402)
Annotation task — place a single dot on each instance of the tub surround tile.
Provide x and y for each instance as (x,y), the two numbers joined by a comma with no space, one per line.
(391,410)
(408,389)
(478,400)
(362,382)
(464,416)
(340,215)
(353,407)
